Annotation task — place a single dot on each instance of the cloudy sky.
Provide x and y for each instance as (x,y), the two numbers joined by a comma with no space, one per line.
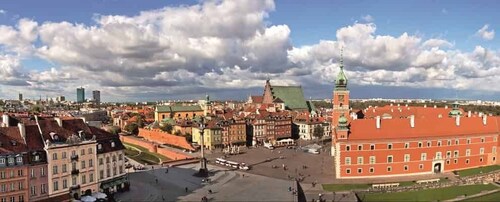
(152,50)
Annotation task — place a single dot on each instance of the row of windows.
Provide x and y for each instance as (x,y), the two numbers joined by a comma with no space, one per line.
(19,172)
(420,144)
(18,159)
(406,167)
(74,166)
(108,173)
(11,187)
(74,181)
(423,156)
(113,158)
(13,199)
(33,189)
(73,153)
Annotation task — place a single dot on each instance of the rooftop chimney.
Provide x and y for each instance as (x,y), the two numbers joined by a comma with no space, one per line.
(412,121)
(435,106)
(22,131)
(425,106)
(399,105)
(446,106)
(469,114)
(58,120)
(5,120)
(484,119)
(378,121)
(480,114)
(457,120)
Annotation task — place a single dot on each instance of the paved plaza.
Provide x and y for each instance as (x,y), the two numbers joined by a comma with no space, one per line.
(319,167)
(226,185)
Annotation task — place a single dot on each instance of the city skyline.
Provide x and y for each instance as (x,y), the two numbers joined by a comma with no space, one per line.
(181,50)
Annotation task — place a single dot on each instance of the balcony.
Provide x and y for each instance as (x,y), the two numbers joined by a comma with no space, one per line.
(74,187)
(75,172)
(74,157)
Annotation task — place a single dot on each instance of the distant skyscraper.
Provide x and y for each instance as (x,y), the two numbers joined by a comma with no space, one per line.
(61,98)
(80,95)
(97,96)
(20,97)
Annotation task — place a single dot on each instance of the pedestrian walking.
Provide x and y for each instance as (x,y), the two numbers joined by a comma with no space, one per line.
(186,189)
(156,180)
(166,171)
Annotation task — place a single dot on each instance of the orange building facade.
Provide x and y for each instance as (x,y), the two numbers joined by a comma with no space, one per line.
(410,145)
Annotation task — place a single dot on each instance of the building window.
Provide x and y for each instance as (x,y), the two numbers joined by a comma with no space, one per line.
(43,188)
(494,150)
(439,143)
(360,160)
(32,175)
(466,161)
(348,160)
(481,150)
(64,169)
(448,154)
(65,183)
(407,145)
(467,152)
(101,174)
(107,158)
(372,159)
(457,142)
(389,168)
(100,161)
(54,156)
(438,155)
(82,164)
(360,170)
(455,154)
(482,139)
(372,170)
(33,190)
(421,166)
(372,147)
(423,157)
(120,157)
(84,179)
(73,180)
(419,144)
(360,147)
(348,170)
(407,158)
(82,152)
(347,147)
(449,142)
(468,140)
(447,162)
(481,159)
(91,163)
(389,146)
(406,168)
(90,151)
(91,177)
(56,186)
(455,161)
(389,159)
(42,171)
(494,139)
(54,170)
(63,155)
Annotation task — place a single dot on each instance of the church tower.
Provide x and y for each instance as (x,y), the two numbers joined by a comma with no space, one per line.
(340,104)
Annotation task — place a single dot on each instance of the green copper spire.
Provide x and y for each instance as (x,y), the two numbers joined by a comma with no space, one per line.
(341,82)
(455,111)
(342,123)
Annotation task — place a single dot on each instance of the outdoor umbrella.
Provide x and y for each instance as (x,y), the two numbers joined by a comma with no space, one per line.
(99,195)
(88,199)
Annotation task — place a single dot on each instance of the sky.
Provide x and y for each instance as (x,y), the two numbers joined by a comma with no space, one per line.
(165,50)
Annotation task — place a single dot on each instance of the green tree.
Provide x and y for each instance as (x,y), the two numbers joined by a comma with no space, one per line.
(114,130)
(167,128)
(318,131)
(132,128)
(189,137)
(140,122)
(36,108)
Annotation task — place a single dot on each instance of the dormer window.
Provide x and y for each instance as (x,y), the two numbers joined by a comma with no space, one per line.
(37,157)
(19,159)
(2,161)
(11,160)
(113,144)
(99,146)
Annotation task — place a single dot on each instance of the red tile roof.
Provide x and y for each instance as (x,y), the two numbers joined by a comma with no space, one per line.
(403,112)
(257,99)
(365,129)
(9,135)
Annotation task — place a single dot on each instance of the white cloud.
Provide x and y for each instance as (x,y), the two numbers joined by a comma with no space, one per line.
(3,12)
(486,34)
(367,18)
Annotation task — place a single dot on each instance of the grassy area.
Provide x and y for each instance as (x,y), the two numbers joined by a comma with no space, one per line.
(490,197)
(129,151)
(343,187)
(145,156)
(407,183)
(429,194)
(475,171)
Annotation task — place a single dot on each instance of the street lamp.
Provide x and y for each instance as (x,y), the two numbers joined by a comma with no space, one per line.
(203,172)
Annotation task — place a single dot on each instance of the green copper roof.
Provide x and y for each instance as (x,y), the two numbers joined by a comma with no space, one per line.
(291,95)
(341,81)
(342,122)
(178,108)
(455,110)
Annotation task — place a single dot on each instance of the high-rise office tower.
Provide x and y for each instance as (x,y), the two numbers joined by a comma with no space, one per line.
(80,95)
(97,96)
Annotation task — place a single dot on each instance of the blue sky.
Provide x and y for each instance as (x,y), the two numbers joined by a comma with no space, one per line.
(294,28)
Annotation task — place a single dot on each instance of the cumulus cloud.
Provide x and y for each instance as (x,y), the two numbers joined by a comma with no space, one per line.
(224,46)
(486,34)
